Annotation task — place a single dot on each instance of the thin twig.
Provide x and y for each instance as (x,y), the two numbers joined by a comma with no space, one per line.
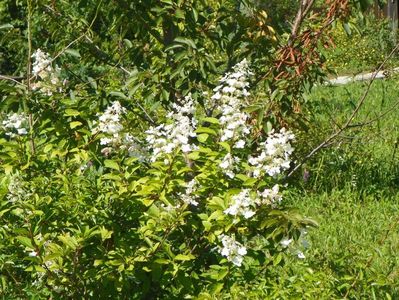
(28,82)
(368,122)
(13,79)
(303,10)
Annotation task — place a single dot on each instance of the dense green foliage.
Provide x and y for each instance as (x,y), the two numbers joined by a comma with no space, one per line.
(122,176)
(143,145)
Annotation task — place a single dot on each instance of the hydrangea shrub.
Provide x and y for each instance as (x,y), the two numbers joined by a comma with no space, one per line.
(111,206)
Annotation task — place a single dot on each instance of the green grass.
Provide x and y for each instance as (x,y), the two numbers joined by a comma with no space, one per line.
(353,194)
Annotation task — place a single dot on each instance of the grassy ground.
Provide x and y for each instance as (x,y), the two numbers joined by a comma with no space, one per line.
(353,194)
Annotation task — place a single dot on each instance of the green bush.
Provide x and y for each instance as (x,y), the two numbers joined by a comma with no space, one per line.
(360,47)
(102,204)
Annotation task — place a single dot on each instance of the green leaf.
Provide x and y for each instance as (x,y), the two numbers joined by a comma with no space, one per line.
(47,148)
(35,268)
(25,241)
(202,137)
(216,288)
(186,41)
(206,130)
(210,120)
(195,14)
(278,259)
(69,241)
(184,257)
(174,46)
(193,155)
(111,164)
(347,28)
(179,14)
(128,43)
(73,52)
(105,234)
(75,124)
(6,26)
(71,112)
(118,94)
(225,146)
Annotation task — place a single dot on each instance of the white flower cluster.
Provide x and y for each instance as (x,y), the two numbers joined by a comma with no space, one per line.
(167,138)
(241,204)
(15,124)
(228,164)
(244,204)
(269,196)
(229,97)
(274,154)
(188,196)
(49,77)
(110,124)
(18,190)
(232,249)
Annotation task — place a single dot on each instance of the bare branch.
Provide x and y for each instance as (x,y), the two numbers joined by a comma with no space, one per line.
(13,79)
(304,9)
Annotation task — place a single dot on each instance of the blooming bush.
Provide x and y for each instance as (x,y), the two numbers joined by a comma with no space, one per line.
(111,206)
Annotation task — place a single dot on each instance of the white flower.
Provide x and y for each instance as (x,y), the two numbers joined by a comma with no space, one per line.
(166,138)
(230,97)
(49,77)
(301,255)
(15,124)
(241,204)
(109,123)
(285,242)
(228,165)
(189,197)
(232,250)
(239,144)
(32,253)
(274,156)
(270,196)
